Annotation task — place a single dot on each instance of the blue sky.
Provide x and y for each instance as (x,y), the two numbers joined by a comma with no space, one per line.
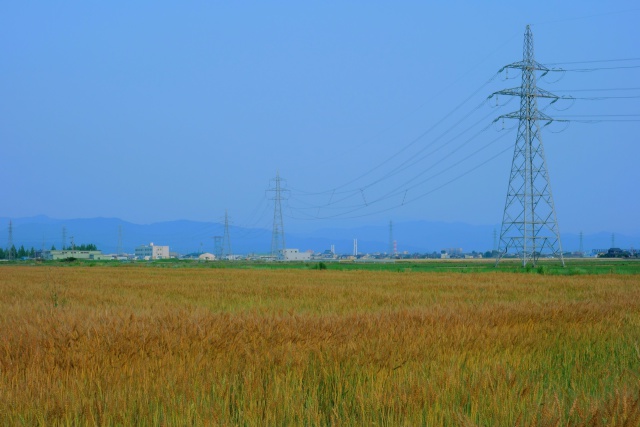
(371,111)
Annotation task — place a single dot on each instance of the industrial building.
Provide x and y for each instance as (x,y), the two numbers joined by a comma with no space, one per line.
(294,255)
(65,254)
(152,252)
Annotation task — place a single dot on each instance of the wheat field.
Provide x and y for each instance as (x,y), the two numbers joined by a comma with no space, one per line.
(157,346)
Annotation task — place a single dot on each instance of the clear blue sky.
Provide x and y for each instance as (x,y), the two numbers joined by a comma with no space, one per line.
(153,111)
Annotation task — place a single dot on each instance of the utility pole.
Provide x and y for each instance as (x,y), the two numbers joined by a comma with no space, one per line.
(529,223)
(277,237)
(64,237)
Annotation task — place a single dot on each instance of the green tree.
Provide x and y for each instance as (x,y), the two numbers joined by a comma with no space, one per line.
(86,247)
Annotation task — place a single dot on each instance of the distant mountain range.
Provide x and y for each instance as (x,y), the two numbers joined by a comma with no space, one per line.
(192,236)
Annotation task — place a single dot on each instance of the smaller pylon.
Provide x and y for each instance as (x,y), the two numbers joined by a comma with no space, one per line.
(217,244)
(10,248)
(581,245)
(278,243)
(120,249)
(226,239)
(390,250)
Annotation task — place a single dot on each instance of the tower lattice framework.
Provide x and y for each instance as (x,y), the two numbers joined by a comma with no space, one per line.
(277,236)
(529,223)
(226,238)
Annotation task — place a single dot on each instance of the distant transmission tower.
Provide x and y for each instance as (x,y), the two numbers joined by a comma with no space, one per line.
(581,250)
(10,252)
(226,239)
(390,251)
(64,237)
(277,236)
(120,250)
(217,246)
(529,222)
(495,240)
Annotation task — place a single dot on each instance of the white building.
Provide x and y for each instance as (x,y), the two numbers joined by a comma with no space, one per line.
(294,255)
(152,252)
(207,257)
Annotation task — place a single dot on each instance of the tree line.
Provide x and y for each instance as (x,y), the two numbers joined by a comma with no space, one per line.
(22,252)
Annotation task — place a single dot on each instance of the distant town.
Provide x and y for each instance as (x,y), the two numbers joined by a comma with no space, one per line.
(151,251)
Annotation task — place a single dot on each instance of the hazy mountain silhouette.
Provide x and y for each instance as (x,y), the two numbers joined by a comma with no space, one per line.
(186,236)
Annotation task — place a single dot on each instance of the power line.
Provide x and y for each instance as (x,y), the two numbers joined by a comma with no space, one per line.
(412,142)
(588,70)
(598,90)
(595,61)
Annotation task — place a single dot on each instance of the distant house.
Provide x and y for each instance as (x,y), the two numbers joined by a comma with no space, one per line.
(207,257)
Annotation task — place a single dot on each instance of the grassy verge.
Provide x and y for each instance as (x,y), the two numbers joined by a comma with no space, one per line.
(573,267)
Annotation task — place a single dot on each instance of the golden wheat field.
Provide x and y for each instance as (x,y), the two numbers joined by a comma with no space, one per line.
(157,346)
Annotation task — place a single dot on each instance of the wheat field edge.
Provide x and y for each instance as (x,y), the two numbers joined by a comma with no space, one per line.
(104,346)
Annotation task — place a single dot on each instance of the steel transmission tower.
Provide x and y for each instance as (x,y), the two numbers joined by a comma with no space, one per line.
(226,239)
(217,247)
(120,249)
(277,236)
(10,248)
(529,223)
(581,245)
(390,250)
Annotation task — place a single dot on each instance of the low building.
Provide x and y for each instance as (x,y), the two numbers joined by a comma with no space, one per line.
(207,257)
(294,255)
(152,252)
(66,254)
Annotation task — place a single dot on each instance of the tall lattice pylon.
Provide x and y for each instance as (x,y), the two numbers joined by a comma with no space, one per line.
(529,223)
(277,236)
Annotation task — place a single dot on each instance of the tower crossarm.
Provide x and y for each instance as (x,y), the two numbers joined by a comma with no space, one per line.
(537,93)
(537,116)
(528,65)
